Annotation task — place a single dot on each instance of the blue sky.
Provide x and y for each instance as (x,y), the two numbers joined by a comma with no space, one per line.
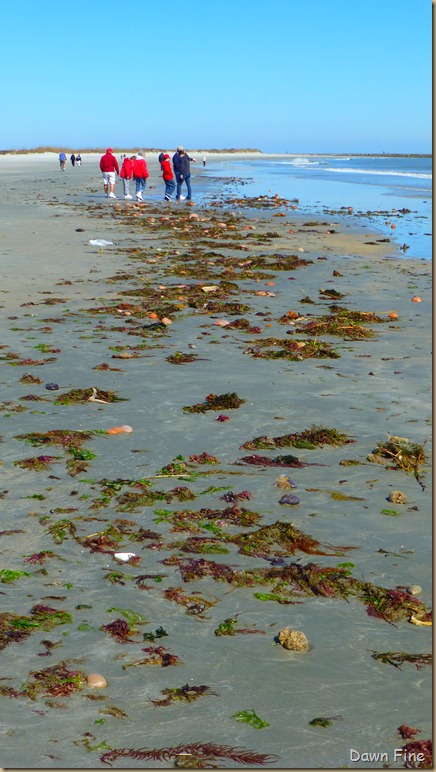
(278,75)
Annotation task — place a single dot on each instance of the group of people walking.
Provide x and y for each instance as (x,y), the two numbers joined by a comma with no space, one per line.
(75,159)
(135,168)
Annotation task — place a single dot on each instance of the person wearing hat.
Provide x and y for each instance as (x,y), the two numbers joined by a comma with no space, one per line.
(109,168)
(182,170)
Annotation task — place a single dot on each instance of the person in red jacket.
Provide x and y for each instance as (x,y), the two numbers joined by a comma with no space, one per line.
(126,174)
(167,174)
(140,174)
(109,168)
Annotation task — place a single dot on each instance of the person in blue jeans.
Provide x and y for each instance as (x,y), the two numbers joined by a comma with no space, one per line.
(182,170)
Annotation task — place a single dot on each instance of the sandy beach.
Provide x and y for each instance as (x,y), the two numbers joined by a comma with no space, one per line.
(197,328)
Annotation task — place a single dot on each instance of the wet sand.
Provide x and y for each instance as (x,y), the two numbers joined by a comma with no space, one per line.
(53,283)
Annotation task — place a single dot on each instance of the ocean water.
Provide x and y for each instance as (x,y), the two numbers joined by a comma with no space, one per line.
(369,184)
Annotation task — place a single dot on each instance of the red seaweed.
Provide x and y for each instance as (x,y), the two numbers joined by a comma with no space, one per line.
(205,752)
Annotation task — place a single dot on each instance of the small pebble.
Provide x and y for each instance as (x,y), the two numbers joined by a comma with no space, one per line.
(51,386)
(96,681)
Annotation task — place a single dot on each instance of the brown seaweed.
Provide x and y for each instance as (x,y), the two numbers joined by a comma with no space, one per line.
(397,658)
(158,656)
(291,461)
(308,439)
(55,681)
(184,693)
(206,753)
(228,401)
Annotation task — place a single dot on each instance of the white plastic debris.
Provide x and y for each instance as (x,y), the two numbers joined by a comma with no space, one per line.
(124,556)
(100,243)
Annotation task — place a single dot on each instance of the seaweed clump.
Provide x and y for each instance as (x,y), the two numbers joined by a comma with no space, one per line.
(343,323)
(66,438)
(228,401)
(260,543)
(55,681)
(309,439)
(180,358)
(37,463)
(405,455)
(81,396)
(291,461)
(158,656)
(15,628)
(184,693)
(397,658)
(200,755)
(294,580)
(291,349)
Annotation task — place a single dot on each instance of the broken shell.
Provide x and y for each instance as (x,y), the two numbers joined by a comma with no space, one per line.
(293,640)
(416,299)
(414,589)
(421,622)
(285,482)
(124,556)
(126,428)
(96,681)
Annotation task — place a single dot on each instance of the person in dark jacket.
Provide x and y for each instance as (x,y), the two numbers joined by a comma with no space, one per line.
(72,159)
(167,175)
(182,170)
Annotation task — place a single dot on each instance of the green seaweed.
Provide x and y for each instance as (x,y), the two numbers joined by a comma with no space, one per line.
(14,628)
(7,576)
(250,717)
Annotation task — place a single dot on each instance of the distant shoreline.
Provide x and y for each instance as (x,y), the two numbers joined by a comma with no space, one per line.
(215,151)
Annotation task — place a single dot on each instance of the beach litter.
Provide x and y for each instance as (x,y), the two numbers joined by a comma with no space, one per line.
(100,243)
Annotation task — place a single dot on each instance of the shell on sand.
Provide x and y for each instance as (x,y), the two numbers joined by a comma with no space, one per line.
(293,640)
(96,681)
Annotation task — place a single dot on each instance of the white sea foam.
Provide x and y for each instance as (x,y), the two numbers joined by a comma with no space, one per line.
(383,173)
